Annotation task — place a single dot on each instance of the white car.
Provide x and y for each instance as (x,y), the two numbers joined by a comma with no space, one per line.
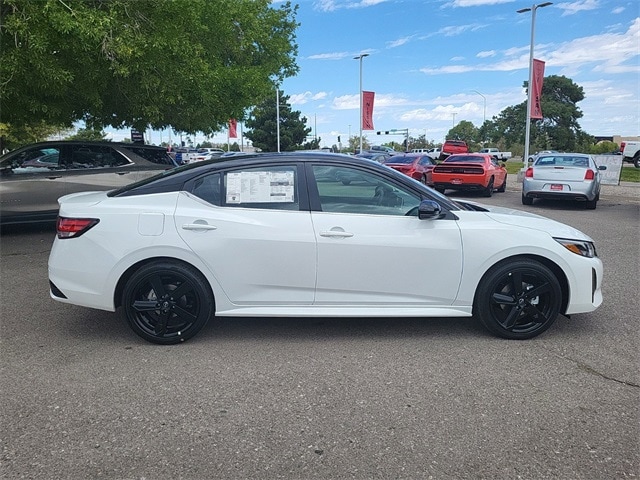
(563,176)
(282,235)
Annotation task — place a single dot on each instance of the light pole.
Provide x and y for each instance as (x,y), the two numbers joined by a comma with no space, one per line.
(453,124)
(278,115)
(360,57)
(484,110)
(527,133)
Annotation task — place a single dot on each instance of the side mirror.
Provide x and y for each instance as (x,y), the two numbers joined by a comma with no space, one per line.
(429,209)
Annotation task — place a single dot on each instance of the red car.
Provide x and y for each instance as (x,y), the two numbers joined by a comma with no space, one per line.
(453,147)
(414,165)
(469,171)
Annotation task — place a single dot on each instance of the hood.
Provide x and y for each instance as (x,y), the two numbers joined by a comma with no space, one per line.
(519,218)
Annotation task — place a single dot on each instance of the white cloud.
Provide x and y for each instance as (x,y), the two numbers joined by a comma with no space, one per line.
(574,7)
(333,5)
(329,56)
(398,42)
(487,53)
(618,10)
(477,3)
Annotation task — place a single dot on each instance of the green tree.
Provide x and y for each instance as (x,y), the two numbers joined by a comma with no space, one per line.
(354,143)
(263,131)
(466,131)
(88,134)
(186,64)
(559,129)
(25,134)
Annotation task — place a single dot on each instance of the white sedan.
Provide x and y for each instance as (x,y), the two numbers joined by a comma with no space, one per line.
(282,235)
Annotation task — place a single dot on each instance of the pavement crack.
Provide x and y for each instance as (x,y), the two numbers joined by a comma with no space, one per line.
(589,369)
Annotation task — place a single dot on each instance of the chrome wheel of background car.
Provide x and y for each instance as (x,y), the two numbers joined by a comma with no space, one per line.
(167,302)
(518,299)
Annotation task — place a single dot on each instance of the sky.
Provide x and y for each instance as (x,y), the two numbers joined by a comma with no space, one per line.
(435,63)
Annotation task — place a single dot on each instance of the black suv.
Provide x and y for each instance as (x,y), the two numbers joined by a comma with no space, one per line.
(32,178)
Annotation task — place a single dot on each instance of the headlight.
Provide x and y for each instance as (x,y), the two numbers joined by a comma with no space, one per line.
(580,247)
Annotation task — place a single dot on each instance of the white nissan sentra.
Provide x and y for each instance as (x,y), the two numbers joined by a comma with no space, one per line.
(286,235)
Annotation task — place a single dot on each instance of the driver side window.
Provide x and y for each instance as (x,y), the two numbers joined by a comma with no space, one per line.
(350,190)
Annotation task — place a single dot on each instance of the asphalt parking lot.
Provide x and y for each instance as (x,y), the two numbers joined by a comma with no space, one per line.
(83,397)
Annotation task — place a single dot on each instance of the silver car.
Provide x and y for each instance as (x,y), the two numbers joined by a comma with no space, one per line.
(563,176)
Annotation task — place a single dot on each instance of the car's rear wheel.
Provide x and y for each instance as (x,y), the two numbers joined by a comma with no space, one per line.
(167,302)
(592,204)
(518,299)
(423,179)
(527,200)
(636,160)
(488,191)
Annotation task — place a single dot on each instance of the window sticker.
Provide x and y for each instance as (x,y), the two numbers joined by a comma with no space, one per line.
(260,187)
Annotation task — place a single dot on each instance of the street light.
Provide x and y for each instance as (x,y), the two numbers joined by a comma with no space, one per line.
(360,57)
(533,26)
(278,115)
(484,111)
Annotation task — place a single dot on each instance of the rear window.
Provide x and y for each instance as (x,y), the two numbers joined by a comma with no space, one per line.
(464,159)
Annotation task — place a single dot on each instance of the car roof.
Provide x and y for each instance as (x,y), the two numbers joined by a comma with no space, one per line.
(51,143)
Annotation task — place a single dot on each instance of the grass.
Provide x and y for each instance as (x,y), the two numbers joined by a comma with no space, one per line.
(629,173)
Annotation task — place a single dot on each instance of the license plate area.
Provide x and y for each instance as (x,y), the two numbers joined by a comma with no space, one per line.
(557,187)
(456,181)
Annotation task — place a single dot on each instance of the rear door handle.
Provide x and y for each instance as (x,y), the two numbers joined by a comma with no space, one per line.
(198,226)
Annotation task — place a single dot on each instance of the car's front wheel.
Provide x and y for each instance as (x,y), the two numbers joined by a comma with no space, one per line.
(167,302)
(518,299)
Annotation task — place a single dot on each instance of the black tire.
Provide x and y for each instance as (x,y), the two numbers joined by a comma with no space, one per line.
(503,188)
(518,299)
(440,189)
(489,190)
(527,200)
(636,160)
(423,179)
(167,302)
(592,204)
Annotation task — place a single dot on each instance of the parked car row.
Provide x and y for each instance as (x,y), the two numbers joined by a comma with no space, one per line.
(32,178)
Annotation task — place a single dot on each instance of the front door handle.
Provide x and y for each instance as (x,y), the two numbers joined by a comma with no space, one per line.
(336,234)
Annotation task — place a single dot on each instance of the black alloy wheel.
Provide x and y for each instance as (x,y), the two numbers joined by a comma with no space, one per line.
(167,302)
(518,299)
(503,187)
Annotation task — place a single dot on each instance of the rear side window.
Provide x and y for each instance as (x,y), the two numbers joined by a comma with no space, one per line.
(154,155)
(94,156)
(267,187)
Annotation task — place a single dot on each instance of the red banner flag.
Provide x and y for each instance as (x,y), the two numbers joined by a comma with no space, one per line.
(233,128)
(536,88)
(367,110)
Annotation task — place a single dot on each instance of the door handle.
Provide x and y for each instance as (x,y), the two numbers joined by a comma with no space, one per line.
(336,234)
(198,226)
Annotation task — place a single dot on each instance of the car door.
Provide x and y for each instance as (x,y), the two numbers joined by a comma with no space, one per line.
(31,181)
(252,227)
(373,249)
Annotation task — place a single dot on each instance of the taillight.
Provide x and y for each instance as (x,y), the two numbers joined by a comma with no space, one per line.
(589,175)
(529,173)
(622,144)
(74,227)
